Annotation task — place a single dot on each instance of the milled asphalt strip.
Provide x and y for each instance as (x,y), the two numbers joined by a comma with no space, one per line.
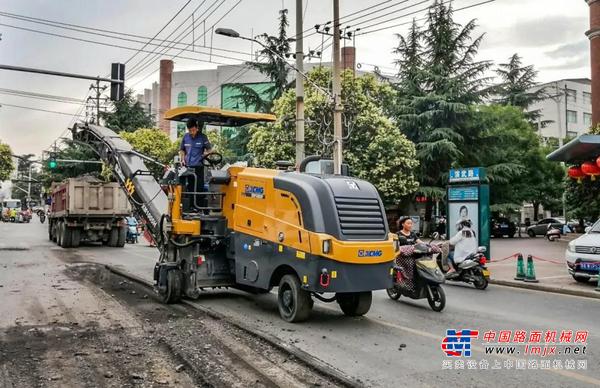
(307,359)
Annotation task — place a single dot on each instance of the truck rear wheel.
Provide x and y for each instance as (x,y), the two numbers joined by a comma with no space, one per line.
(354,304)
(75,237)
(122,236)
(113,238)
(58,233)
(66,236)
(293,302)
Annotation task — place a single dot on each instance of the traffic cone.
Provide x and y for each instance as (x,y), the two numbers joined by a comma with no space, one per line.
(520,268)
(530,276)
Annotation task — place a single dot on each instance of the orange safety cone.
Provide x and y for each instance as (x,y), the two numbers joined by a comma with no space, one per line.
(520,268)
(530,275)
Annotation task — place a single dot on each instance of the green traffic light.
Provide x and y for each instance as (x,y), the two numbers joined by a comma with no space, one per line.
(52,164)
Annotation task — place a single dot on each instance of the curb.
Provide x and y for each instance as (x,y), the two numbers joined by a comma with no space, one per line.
(306,358)
(537,287)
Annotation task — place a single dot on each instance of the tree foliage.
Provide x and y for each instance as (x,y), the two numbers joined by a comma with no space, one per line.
(6,162)
(155,144)
(374,148)
(518,87)
(127,115)
(71,151)
(24,164)
(439,81)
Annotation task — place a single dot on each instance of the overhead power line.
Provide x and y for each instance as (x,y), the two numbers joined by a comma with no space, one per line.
(2,104)
(41,96)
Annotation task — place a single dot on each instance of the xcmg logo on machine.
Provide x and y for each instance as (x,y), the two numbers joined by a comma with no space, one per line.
(254,191)
(369,253)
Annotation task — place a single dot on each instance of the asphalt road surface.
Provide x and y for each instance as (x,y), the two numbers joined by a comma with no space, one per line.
(44,294)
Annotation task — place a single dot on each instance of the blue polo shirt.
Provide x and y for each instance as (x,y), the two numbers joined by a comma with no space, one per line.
(194,148)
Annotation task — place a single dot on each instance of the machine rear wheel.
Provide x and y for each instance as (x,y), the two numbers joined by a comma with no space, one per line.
(121,237)
(293,302)
(113,238)
(437,298)
(354,304)
(393,293)
(174,287)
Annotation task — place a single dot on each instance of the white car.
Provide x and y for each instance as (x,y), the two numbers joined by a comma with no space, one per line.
(583,255)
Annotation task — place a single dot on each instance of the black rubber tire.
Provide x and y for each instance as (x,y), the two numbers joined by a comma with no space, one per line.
(481,284)
(121,237)
(58,231)
(393,293)
(75,237)
(50,238)
(580,279)
(66,236)
(113,238)
(531,233)
(294,303)
(355,304)
(439,298)
(174,287)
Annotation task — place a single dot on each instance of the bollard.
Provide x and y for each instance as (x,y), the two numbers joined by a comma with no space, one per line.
(530,275)
(520,268)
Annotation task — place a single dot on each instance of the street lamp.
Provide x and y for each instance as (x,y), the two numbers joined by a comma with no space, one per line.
(231,33)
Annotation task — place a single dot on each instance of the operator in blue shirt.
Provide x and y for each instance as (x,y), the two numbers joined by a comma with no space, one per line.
(194,146)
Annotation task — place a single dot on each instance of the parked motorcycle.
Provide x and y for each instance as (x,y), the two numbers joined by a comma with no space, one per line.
(421,281)
(553,233)
(472,270)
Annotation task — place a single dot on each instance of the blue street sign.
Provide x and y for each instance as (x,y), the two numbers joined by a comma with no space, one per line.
(470,193)
(472,174)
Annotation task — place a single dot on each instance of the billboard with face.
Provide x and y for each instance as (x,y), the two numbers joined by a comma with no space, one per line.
(458,211)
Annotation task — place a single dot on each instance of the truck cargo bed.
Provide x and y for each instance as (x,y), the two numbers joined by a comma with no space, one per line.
(79,197)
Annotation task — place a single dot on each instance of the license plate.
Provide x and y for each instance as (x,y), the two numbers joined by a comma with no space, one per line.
(589,266)
(486,272)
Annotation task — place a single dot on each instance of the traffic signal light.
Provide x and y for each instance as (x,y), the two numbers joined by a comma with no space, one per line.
(52,163)
(117,89)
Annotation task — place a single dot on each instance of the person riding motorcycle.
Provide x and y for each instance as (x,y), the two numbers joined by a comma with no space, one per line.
(407,240)
(406,236)
(464,242)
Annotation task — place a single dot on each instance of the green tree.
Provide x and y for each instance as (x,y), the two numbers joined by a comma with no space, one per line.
(155,144)
(374,148)
(518,87)
(70,150)
(24,164)
(275,50)
(127,115)
(435,96)
(6,162)
(515,160)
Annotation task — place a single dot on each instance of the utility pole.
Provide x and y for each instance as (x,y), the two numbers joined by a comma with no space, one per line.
(299,85)
(98,89)
(337,92)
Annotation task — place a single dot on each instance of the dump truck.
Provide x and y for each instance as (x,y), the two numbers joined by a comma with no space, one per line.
(90,210)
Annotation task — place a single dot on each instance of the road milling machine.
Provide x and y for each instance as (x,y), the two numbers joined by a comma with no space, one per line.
(311,235)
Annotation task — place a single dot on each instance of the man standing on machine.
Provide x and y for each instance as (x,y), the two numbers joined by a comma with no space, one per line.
(194,146)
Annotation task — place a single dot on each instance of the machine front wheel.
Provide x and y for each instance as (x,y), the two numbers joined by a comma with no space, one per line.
(436,298)
(354,304)
(174,286)
(393,293)
(293,302)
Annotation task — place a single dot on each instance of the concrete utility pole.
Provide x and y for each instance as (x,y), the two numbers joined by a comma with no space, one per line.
(594,35)
(299,85)
(337,92)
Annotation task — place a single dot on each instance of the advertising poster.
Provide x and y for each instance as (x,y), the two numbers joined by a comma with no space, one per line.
(462,210)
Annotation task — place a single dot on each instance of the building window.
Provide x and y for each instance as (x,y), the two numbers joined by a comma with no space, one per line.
(587,119)
(571,134)
(202,96)
(587,98)
(571,117)
(571,95)
(181,99)
(180,130)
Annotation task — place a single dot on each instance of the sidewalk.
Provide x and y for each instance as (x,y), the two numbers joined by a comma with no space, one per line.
(550,266)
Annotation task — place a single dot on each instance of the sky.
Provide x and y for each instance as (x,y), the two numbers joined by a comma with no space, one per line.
(547,33)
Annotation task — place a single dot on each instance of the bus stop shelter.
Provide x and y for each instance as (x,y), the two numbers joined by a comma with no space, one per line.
(582,149)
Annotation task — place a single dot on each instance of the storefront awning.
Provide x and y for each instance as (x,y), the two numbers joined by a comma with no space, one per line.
(581,149)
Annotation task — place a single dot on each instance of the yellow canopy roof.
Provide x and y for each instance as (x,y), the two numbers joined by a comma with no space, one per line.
(216,116)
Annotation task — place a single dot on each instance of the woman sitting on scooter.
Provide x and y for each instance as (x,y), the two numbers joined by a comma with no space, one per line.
(464,242)
(406,236)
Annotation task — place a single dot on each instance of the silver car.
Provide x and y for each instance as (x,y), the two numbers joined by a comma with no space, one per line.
(541,227)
